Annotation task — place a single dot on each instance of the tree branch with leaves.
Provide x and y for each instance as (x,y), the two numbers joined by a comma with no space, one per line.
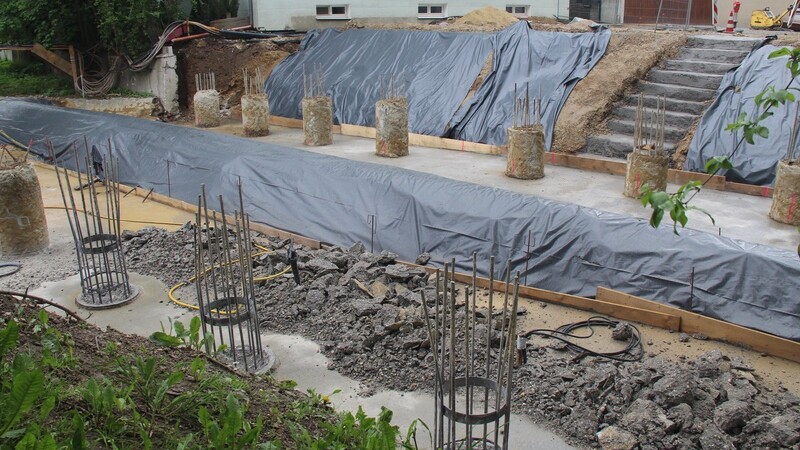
(676,205)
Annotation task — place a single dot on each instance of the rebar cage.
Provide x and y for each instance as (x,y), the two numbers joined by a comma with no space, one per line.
(473,373)
(94,217)
(225,288)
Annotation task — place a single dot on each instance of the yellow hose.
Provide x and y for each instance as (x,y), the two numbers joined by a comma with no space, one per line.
(178,301)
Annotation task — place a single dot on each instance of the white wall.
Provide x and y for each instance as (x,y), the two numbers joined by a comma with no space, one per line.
(300,14)
(160,79)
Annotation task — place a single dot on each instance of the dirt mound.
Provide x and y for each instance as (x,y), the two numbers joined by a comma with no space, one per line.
(630,55)
(226,58)
(487,16)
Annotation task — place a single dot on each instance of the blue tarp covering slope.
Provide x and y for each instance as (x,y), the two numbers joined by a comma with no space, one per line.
(437,71)
(752,164)
(575,249)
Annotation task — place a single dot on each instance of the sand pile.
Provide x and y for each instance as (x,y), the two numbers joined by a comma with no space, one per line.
(487,16)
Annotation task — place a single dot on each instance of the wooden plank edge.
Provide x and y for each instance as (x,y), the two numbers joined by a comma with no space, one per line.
(633,314)
(713,328)
(749,189)
(186,207)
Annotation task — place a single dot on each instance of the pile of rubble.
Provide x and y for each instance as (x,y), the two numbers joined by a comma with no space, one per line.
(365,311)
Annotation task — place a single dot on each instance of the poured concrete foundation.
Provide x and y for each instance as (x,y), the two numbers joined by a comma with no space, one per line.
(255,114)
(644,168)
(786,196)
(391,127)
(317,121)
(23,226)
(525,152)
(206,108)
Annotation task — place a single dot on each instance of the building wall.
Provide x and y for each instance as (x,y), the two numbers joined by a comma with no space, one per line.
(300,15)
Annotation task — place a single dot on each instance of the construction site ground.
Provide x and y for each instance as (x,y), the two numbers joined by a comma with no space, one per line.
(311,354)
(559,401)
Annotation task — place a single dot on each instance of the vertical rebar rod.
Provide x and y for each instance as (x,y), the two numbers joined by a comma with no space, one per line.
(435,350)
(245,294)
(226,275)
(213,256)
(489,327)
(509,384)
(200,281)
(452,388)
(501,353)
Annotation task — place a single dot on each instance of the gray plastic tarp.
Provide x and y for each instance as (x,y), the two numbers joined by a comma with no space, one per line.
(575,249)
(753,164)
(436,71)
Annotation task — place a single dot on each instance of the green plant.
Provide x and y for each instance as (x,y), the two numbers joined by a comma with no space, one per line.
(20,395)
(190,337)
(233,431)
(358,431)
(118,26)
(677,204)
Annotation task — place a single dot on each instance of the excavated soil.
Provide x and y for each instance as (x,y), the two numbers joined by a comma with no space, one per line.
(226,58)
(630,55)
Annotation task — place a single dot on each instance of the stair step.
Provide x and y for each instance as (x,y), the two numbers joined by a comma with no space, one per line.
(723,42)
(623,126)
(676,92)
(674,105)
(712,55)
(698,66)
(671,119)
(616,145)
(690,79)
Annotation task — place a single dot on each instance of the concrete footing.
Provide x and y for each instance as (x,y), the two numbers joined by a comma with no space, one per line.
(206,108)
(645,168)
(525,152)
(786,196)
(391,127)
(317,121)
(23,226)
(255,114)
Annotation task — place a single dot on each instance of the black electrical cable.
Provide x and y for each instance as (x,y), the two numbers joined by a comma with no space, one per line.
(14,269)
(633,351)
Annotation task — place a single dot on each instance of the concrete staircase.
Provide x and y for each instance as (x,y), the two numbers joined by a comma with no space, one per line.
(688,81)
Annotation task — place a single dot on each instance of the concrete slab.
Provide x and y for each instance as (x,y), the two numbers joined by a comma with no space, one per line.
(737,216)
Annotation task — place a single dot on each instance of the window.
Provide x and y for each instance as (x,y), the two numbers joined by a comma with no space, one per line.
(333,11)
(428,11)
(521,11)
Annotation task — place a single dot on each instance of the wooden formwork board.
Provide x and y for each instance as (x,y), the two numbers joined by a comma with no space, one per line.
(713,328)
(653,318)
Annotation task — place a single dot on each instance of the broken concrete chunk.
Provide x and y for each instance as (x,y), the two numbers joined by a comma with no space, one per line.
(423,259)
(402,272)
(378,289)
(357,248)
(320,265)
(615,438)
(386,258)
(673,389)
(645,417)
(732,415)
(363,307)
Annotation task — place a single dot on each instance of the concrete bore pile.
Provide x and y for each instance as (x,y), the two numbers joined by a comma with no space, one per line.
(23,225)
